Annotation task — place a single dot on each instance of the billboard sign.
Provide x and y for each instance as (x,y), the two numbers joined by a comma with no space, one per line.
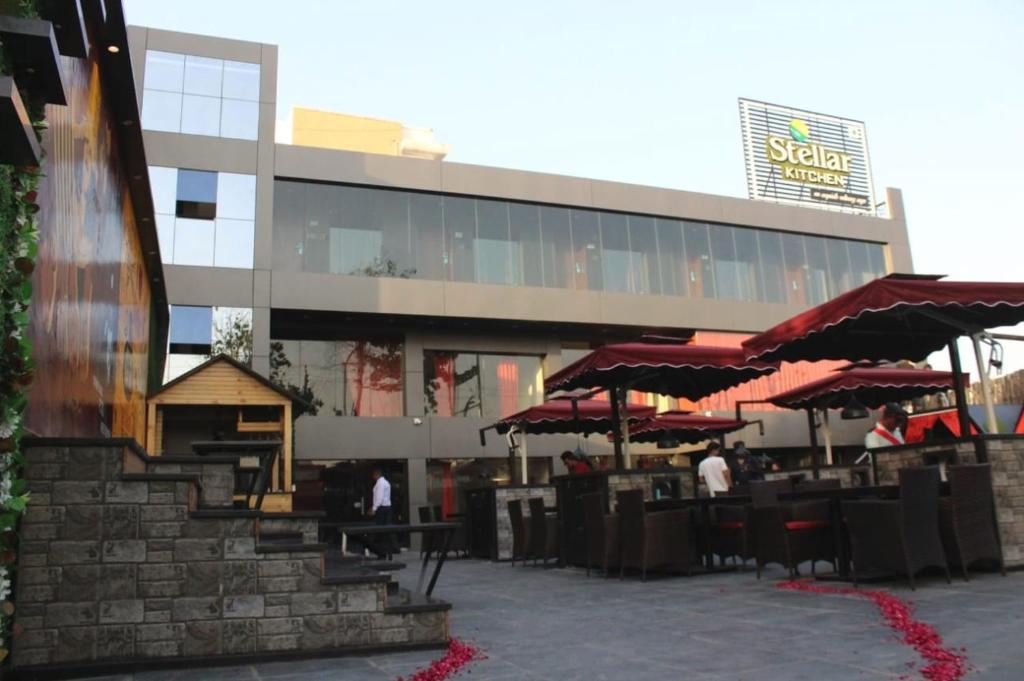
(804,158)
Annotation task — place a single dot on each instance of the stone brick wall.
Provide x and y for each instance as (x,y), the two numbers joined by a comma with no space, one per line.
(114,570)
(845,474)
(626,480)
(503,495)
(889,460)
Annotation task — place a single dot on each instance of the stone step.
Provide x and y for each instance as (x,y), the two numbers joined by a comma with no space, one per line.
(280,538)
(406,602)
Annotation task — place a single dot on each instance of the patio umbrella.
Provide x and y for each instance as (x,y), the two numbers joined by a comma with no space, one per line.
(566,415)
(896,317)
(674,369)
(685,427)
(946,419)
(869,386)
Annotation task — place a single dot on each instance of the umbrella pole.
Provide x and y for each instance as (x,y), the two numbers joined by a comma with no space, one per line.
(616,428)
(522,458)
(826,429)
(624,425)
(963,418)
(815,464)
(991,425)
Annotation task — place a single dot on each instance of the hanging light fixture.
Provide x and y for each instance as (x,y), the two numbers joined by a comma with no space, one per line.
(854,410)
(667,441)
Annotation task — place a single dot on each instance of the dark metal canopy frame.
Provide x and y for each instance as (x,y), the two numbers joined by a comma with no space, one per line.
(898,317)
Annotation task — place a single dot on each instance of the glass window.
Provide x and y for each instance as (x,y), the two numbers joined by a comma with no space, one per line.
(197,194)
(586,239)
(796,269)
(817,270)
(748,264)
(615,254)
(876,253)
(451,382)
(509,383)
(234,243)
(203,76)
(191,326)
(427,231)
(161,111)
(193,242)
(239,119)
(165,235)
(460,231)
(644,247)
(389,215)
(241,80)
(772,267)
(556,247)
(236,196)
(200,115)
(492,248)
(726,267)
(164,71)
(698,253)
(860,263)
(839,267)
(163,183)
(524,233)
(672,256)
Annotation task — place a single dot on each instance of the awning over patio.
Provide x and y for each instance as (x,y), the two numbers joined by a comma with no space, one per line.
(684,427)
(872,387)
(558,416)
(688,371)
(893,318)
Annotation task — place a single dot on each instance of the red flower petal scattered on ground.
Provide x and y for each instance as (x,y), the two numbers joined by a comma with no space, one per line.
(458,656)
(943,663)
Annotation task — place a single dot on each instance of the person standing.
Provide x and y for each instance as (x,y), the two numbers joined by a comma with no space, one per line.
(886,432)
(714,472)
(381,512)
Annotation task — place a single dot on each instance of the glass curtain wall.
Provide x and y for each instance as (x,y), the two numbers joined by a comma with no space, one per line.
(481,385)
(362,231)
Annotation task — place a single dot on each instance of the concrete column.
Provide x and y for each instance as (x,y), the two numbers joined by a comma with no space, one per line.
(417,495)
(261,340)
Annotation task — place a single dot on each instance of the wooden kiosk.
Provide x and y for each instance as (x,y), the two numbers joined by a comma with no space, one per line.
(224,407)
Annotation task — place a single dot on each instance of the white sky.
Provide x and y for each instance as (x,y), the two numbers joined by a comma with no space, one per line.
(645,92)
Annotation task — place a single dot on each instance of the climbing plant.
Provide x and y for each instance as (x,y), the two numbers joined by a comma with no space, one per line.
(19,233)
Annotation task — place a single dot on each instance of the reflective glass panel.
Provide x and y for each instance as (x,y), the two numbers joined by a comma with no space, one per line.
(191,325)
(239,119)
(840,278)
(492,248)
(586,240)
(672,256)
(163,183)
(161,111)
(164,71)
(748,264)
(193,242)
(451,383)
(726,267)
(644,247)
(200,115)
(241,80)
(165,235)
(524,231)
(556,247)
(817,270)
(876,254)
(460,232)
(203,76)
(698,257)
(234,243)
(427,232)
(772,267)
(236,196)
(796,269)
(860,263)
(615,254)
(509,383)
(389,215)
(197,194)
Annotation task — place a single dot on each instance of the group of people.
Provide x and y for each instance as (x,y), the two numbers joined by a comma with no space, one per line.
(719,471)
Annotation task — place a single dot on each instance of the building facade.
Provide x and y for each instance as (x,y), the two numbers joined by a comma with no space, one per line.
(420,300)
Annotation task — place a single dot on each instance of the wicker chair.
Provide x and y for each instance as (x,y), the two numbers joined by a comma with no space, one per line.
(818,485)
(602,532)
(899,536)
(652,540)
(790,533)
(732,532)
(967,519)
(543,544)
(520,531)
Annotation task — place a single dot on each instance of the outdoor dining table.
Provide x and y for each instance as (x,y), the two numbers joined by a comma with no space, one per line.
(836,497)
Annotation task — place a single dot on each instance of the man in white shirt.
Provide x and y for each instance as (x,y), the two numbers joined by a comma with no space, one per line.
(886,432)
(381,512)
(714,472)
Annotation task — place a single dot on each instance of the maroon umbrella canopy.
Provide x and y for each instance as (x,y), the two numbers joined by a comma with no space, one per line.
(872,387)
(683,426)
(689,371)
(896,317)
(558,416)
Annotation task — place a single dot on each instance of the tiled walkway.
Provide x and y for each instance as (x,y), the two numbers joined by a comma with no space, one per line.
(555,624)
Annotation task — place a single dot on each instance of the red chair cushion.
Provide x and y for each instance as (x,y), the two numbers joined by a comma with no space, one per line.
(731,525)
(806,525)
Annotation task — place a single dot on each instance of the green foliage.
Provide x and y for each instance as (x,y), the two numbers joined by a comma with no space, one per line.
(233,337)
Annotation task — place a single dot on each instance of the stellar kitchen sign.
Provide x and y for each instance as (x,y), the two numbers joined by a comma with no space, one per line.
(804,158)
